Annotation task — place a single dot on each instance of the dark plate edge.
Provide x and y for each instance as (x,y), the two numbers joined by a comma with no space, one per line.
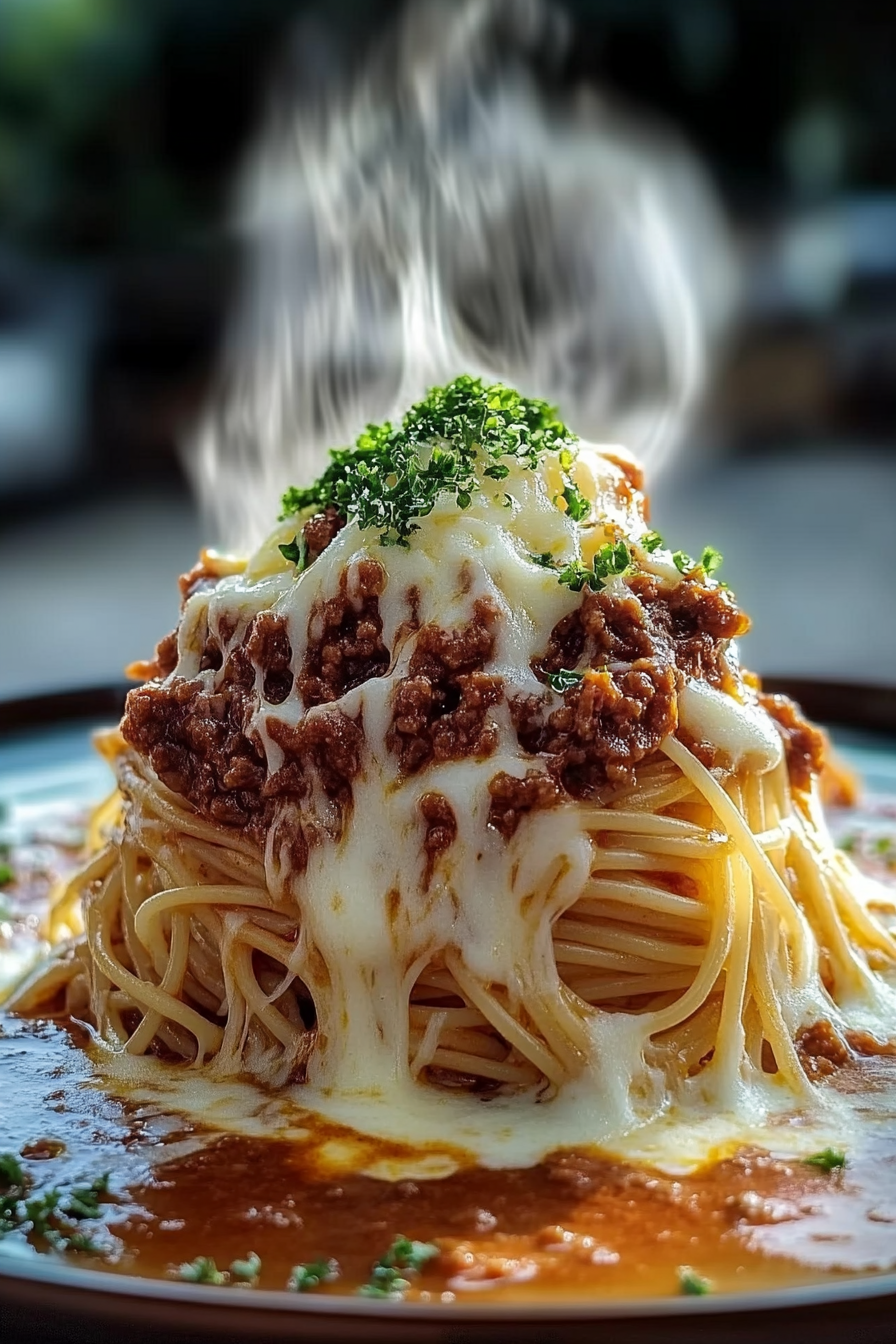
(121,1286)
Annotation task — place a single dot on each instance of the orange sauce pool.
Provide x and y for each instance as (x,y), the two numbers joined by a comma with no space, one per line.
(575,1226)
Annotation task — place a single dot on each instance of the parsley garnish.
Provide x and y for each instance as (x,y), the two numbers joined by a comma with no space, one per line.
(40,1213)
(610,560)
(693,1284)
(710,560)
(564,680)
(543,558)
(394,474)
(305,1278)
(296,551)
(201,1270)
(577,506)
(829,1159)
(246,1271)
(83,1202)
(81,1241)
(12,1175)
(47,1214)
(7,875)
(651,542)
(403,1256)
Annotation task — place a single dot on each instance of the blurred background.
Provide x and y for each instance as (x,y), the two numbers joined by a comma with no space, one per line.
(122,124)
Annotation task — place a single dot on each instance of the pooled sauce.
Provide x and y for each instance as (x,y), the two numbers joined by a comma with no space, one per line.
(577,1225)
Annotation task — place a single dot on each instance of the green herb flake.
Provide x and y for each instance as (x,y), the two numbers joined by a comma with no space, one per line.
(848,843)
(12,1174)
(85,1244)
(407,1254)
(7,875)
(41,1210)
(83,1202)
(883,844)
(404,1256)
(575,575)
(296,552)
(201,1270)
(682,561)
(577,505)
(385,1283)
(611,560)
(305,1278)
(246,1271)
(394,474)
(564,680)
(711,560)
(693,1284)
(651,542)
(544,558)
(829,1159)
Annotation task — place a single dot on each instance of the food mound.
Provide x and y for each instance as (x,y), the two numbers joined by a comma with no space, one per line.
(457,784)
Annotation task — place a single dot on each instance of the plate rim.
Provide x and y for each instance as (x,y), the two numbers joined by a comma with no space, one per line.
(270,1301)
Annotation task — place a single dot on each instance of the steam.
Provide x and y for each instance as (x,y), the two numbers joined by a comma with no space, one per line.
(445,215)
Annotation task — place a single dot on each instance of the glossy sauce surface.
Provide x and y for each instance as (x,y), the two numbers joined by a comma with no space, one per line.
(577,1225)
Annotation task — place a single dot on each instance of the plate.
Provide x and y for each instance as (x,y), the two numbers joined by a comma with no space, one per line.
(45,756)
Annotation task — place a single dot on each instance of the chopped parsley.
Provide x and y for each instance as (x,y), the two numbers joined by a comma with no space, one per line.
(610,560)
(693,1284)
(829,1159)
(710,560)
(577,505)
(387,1274)
(305,1278)
(202,1270)
(296,551)
(394,474)
(651,542)
(246,1271)
(49,1215)
(7,875)
(82,1241)
(12,1175)
(564,680)
(543,558)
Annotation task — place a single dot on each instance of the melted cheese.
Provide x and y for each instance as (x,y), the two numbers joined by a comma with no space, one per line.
(367,925)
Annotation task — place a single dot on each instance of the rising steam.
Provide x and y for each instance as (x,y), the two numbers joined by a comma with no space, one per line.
(445,215)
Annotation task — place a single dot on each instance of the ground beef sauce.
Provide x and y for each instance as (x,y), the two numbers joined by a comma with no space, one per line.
(345,646)
(441,830)
(440,707)
(637,647)
(805,745)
